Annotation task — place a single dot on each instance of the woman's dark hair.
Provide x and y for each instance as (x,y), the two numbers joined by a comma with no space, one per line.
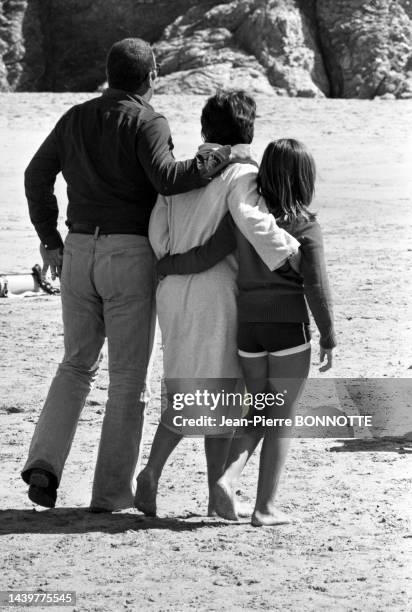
(228,118)
(128,63)
(286,179)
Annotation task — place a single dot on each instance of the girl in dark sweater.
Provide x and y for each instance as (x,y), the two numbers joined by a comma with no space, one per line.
(273,322)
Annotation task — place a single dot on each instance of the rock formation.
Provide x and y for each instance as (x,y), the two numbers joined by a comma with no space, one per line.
(61,45)
(338,48)
(366,46)
(22,57)
(263,44)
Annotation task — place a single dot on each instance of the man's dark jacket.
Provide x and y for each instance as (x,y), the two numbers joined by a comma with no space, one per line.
(115,153)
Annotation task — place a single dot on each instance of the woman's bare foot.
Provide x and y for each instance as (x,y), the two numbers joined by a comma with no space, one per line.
(225,501)
(146,492)
(273,517)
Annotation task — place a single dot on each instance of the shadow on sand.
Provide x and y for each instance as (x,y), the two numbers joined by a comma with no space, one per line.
(387,444)
(79,520)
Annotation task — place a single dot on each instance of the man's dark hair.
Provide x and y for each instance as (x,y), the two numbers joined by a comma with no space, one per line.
(228,118)
(128,63)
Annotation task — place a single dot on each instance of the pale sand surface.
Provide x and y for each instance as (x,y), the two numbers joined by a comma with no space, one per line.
(351,550)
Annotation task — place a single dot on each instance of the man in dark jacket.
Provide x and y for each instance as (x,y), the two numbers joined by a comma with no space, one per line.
(115,153)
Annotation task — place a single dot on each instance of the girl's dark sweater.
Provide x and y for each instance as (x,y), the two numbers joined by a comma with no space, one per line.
(281,295)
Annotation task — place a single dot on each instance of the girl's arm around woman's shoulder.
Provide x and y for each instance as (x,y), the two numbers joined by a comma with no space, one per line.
(316,282)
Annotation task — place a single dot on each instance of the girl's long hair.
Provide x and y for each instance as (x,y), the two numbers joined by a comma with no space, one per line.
(286,179)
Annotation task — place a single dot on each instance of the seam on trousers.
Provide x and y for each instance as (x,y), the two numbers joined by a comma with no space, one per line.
(150,337)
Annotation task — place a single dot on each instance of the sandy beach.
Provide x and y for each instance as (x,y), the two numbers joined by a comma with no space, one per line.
(351,550)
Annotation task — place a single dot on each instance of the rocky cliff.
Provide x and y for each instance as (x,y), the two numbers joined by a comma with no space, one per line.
(366,46)
(260,45)
(338,48)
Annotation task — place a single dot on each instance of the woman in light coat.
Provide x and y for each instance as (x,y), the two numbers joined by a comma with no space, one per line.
(197,312)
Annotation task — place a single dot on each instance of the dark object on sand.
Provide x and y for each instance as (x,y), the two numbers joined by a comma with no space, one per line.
(18,284)
(43,284)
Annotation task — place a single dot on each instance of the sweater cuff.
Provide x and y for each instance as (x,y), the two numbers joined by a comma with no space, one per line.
(52,241)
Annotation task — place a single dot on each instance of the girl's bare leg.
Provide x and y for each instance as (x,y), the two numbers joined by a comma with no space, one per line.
(285,373)
(164,443)
(216,450)
(255,371)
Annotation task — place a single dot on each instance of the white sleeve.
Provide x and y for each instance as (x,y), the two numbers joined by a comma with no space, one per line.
(159,236)
(272,243)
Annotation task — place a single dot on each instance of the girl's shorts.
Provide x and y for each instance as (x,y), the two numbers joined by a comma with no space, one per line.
(260,339)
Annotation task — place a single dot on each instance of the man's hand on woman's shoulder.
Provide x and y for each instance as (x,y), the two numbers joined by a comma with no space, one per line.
(213,161)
